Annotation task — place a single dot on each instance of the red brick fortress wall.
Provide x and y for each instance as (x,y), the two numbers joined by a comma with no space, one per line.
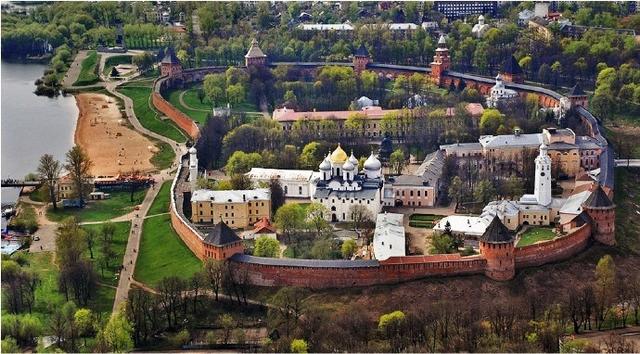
(393,270)
(182,120)
(554,250)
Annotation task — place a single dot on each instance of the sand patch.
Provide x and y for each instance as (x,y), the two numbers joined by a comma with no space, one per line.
(113,147)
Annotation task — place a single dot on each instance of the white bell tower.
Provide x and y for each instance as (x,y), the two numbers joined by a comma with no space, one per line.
(193,168)
(542,189)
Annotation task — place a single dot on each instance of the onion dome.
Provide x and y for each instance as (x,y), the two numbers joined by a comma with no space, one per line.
(372,163)
(325,165)
(192,150)
(338,156)
(353,159)
(348,166)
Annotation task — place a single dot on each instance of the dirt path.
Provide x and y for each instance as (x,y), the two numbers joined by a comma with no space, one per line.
(113,147)
(185,105)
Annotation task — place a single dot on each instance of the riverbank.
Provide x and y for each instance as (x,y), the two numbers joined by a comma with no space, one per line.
(111,144)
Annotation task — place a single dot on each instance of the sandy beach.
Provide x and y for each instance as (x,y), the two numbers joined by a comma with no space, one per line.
(113,147)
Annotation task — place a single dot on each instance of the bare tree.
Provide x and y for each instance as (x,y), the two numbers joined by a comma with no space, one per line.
(214,273)
(79,166)
(49,172)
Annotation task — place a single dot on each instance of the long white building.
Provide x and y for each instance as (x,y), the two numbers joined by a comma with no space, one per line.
(389,237)
(295,183)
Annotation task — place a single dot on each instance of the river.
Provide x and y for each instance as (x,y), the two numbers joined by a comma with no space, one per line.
(31,125)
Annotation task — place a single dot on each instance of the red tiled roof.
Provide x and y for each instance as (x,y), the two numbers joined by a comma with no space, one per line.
(263,226)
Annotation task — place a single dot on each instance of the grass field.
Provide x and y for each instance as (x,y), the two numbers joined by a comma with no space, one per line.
(162,253)
(536,234)
(114,61)
(101,210)
(118,244)
(164,157)
(160,205)
(198,110)
(88,70)
(424,221)
(148,117)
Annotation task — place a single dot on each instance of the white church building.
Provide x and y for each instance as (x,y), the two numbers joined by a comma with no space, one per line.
(340,185)
(500,94)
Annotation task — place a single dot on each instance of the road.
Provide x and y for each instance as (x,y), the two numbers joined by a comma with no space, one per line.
(74,69)
(627,163)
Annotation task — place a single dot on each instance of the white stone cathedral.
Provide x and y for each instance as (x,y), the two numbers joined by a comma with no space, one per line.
(341,185)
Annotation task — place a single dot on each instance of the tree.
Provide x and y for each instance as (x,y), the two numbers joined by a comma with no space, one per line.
(241,182)
(215,88)
(456,190)
(116,335)
(214,272)
(241,162)
(201,94)
(183,56)
(484,192)
(391,325)
(348,248)
(79,166)
(310,156)
(604,290)
(49,172)
(290,218)
(90,236)
(9,345)
(266,247)
(321,249)
(143,61)
(235,94)
(85,323)
(442,243)
(490,120)
(316,218)
(19,287)
(277,195)
(299,346)
(397,161)
(227,323)
(360,215)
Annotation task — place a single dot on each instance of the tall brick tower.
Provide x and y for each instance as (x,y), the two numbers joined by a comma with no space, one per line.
(441,61)
(170,65)
(255,56)
(361,59)
(497,246)
(578,97)
(603,215)
(512,72)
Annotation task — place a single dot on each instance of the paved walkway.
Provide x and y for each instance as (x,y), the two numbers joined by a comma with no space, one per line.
(74,69)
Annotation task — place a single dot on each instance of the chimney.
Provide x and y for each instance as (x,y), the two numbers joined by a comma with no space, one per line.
(244,197)
(516,131)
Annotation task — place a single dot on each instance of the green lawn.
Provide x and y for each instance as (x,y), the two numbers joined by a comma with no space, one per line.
(114,61)
(101,210)
(424,221)
(148,117)
(162,253)
(118,244)
(88,70)
(160,205)
(197,115)
(164,157)
(536,234)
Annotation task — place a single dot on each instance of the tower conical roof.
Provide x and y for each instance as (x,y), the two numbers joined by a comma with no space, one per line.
(496,232)
(362,51)
(170,57)
(221,235)
(598,200)
(511,66)
(255,51)
(576,90)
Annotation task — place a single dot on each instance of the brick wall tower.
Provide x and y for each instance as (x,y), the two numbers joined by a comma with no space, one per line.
(578,97)
(361,59)
(512,72)
(497,246)
(170,65)
(602,212)
(441,61)
(255,56)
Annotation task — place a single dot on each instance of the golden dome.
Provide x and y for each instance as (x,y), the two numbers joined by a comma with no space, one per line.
(338,155)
